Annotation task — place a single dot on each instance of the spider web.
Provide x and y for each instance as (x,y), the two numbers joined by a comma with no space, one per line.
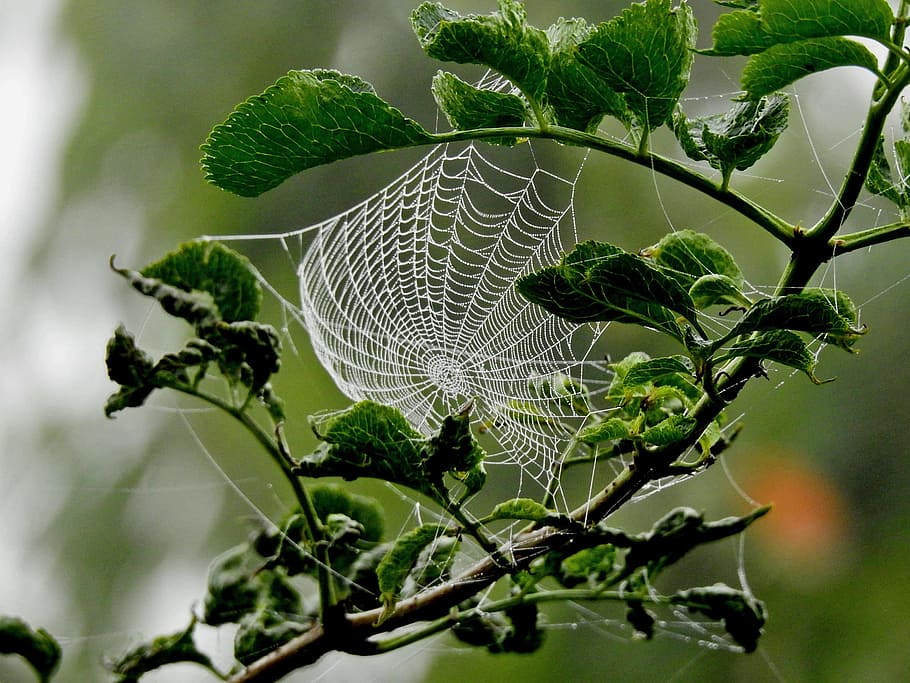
(409,300)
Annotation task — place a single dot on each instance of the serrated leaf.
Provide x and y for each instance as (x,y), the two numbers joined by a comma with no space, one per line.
(672,429)
(216,269)
(599,282)
(394,568)
(653,369)
(35,646)
(743,615)
(520,508)
(782,64)
(305,119)
(737,138)
(747,31)
(196,307)
(815,311)
(467,107)
(689,255)
(372,440)
(778,346)
(578,97)
(502,40)
(712,290)
(608,430)
(369,440)
(646,54)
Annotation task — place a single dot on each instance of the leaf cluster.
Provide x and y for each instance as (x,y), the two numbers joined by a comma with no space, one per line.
(213,289)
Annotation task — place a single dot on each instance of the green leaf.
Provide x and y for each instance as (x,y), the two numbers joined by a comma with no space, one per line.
(712,290)
(263,631)
(599,282)
(608,430)
(368,440)
(591,565)
(305,119)
(737,138)
(502,40)
(213,268)
(646,54)
(433,564)
(778,346)
(334,499)
(35,646)
(674,428)
(175,648)
(780,65)
(882,182)
(248,351)
(467,107)
(232,589)
(130,367)
(579,97)
(372,440)
(196,307)
(401,559)
(743,616)
(815,311)
(520,508)
(689,255)
(747,32)
(653,369)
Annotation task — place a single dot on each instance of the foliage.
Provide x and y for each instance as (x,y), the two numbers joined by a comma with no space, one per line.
(661,416)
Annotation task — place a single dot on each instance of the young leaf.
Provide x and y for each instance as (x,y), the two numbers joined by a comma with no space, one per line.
(213,268)
(131,368)
(35,646)
(646,54)
(713,290)
(453,449)
(882,182)
(689,255)
(467,107)
(653,369)
(578,97)
(674,428)
(780,65)
(608,430)
(400,560)
(743,616)
(815,311)
(305,119)
(520,508)
(261,632)
(502,40)
(778,346)
(735,139)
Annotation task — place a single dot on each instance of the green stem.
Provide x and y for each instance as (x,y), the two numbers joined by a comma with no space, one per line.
(277,449)
(774,225)
(867,238)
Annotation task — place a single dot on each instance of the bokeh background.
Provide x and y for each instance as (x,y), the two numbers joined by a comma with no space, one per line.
(107,527)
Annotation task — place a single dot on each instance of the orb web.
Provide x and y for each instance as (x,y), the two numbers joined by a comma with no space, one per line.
(409,300)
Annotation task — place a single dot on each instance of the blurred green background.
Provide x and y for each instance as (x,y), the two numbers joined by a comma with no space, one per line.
(107,526)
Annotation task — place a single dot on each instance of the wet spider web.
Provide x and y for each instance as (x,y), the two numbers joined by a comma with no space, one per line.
(409,300)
